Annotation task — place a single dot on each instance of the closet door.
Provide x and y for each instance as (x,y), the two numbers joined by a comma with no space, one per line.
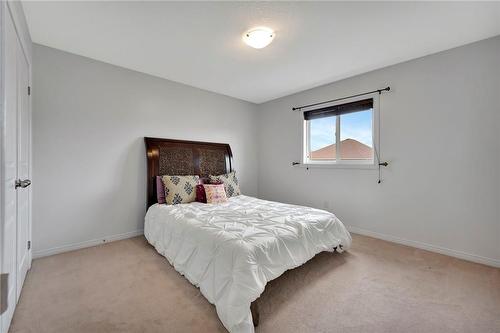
(23,181)
(9,253)
(16,229)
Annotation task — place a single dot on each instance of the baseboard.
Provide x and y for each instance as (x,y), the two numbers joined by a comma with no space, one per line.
(356,230)
(89,243)
(429,247)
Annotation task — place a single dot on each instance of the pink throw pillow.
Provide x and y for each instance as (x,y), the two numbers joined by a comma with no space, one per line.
(215,193)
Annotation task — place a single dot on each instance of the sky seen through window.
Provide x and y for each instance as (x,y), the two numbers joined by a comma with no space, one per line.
(357,126)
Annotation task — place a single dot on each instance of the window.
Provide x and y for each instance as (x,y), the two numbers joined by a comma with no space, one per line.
(340,134)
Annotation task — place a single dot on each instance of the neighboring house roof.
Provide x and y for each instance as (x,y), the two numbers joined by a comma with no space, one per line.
(349,149)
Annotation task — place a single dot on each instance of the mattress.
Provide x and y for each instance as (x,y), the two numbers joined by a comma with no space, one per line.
(231,250)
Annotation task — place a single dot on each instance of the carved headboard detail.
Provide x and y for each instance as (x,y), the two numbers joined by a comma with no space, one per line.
(179,157)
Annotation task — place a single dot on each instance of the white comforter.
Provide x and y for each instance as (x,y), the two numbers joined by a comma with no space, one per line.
(231,250)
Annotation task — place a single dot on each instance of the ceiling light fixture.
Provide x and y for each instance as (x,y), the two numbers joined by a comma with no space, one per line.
(259,38)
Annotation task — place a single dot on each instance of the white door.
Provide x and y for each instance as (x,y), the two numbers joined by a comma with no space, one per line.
(23,169)
(9,261)
(16,257)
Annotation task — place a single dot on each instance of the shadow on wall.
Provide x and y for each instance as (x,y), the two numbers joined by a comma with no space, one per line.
(130,168)
(120,199)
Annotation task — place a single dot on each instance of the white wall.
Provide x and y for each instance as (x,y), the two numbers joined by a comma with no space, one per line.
(89,120)
(440,128)
(440,131)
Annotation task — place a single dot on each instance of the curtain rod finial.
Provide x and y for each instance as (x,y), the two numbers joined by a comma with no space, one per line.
(385,89)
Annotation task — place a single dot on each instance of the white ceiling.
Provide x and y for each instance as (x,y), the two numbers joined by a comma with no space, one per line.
(199,43)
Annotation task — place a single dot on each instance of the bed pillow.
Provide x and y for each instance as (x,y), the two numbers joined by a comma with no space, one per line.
(230,181)
(215,193)
(180,189)
(160,190)
(200,194)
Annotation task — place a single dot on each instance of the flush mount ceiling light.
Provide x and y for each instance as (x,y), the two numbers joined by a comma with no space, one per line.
(259,38)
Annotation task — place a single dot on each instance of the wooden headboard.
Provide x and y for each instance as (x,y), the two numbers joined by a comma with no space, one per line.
(179,157)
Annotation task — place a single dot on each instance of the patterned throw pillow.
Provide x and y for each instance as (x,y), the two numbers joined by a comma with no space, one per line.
(230,181)
(180,189)
(215,193)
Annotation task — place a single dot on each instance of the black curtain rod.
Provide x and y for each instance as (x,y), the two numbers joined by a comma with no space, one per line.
(339,99)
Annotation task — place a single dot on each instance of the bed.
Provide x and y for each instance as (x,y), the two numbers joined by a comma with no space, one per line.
(231,250)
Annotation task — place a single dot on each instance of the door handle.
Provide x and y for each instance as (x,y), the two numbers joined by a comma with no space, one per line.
(23,183)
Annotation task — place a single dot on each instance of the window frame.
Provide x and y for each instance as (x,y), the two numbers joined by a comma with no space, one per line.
(339,163)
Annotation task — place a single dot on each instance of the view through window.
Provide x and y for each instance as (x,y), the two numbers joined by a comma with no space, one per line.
(355,136)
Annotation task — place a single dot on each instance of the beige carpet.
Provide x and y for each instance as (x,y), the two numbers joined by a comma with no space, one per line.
(378,286)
